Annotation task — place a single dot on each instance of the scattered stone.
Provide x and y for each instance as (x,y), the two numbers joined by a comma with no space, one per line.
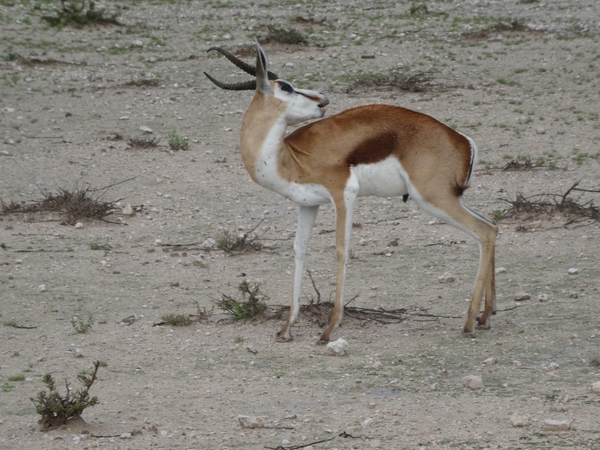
(208,244)
(433,387)
(42,288)
(540,130)
(78,225)
(490,361)
(519,420)
(472,382)
(377,365)
(128,210)
(338,348)
(146,130)
(557,425)
(367,422)
(595,361)
(138,43)
(363,241)
(78,353)
(542,297)
(596,387)
(500,270)
(290,417)
(521,296)
(447,278)
(251,422)
(573,271)
(125,436)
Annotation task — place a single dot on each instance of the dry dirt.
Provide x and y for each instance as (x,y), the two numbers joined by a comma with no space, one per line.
(519,77)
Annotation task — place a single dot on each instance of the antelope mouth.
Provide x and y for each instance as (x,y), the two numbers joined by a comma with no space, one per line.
(323,105)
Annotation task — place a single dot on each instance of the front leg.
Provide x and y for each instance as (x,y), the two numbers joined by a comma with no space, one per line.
(306,220)
(344,209)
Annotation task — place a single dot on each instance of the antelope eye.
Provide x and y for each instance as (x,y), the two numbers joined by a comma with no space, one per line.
(286,87)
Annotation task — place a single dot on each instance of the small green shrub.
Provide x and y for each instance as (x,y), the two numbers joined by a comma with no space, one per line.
(177,320)
(56,409)
(252,304)
(81,326)
(177,142)
(284,36)
(17,378)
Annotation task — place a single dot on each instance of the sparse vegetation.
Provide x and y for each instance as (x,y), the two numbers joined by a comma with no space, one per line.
(72,206)
(552,205)
(419,82)
(143,142)
(80,13)
(177,142)
(82,326)
(105,246)
(251,305)
(284,36)
(57,409)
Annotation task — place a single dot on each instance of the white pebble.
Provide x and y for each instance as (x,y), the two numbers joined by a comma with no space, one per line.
(573,271)
(446,278)
(338,348)
(472,382)
(596,387)
(557,425)
(519,420)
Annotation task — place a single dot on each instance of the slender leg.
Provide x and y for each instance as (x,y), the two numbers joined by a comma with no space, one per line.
(343,229)
(453,212)
(306,219)
(490,298)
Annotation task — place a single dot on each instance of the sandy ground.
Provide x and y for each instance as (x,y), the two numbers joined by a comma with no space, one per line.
(521,78)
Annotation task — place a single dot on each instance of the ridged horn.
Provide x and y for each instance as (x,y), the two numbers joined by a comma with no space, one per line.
(241,64)
(241,86)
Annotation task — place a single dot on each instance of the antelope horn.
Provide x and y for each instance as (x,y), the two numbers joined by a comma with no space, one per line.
(241,86)
(241,64)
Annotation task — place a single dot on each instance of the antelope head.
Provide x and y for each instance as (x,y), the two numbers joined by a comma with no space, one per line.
(301,104)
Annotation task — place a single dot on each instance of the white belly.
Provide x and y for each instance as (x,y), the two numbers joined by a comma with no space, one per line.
(382,179)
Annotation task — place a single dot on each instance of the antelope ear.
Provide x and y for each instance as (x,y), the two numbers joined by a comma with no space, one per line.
(262,81)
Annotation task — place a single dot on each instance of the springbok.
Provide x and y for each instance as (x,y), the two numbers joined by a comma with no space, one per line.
(380,150)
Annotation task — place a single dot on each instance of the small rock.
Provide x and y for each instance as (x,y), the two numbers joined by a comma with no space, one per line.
(573,271)
(520,296)
(519,420)
(596,387)
(125,436)
(78,353)
(146,130)
(472,382)
(446,278)
(377,365)
(128,210)
(557,425)
(42,288)
(573,295)
(138,43)
(251,422)
(363,241)
(540,130)
(490,361)
(78,225)
(208,244)
(290,417)
(433,387)
(500,270)
(338,348)
(367,422)
(543,297)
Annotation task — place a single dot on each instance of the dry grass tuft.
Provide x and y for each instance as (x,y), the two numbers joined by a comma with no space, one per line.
(143,142)
(72,206)
(419,82)
(550,206)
